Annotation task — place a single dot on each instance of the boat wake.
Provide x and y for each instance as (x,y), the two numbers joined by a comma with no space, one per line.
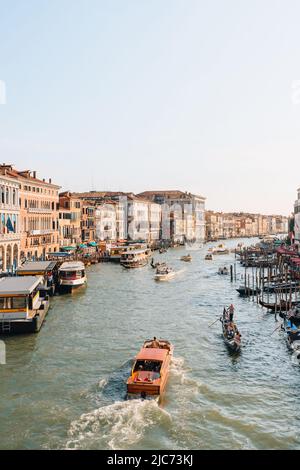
(116,426)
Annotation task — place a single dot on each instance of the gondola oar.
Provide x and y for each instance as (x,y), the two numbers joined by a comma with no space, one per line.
(276,329)
(213,322)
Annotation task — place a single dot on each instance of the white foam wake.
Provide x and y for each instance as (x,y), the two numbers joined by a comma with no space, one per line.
(115,426)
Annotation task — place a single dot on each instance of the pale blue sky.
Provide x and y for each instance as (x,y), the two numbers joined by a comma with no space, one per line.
(153,94)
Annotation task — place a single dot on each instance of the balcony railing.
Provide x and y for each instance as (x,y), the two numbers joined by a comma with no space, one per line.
(40,232)
(38,210)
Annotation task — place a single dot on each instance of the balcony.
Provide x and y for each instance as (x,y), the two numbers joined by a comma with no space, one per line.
(36,210)
(41,232)
(9,236)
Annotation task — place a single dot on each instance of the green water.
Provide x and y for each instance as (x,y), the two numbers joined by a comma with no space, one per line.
(65,386)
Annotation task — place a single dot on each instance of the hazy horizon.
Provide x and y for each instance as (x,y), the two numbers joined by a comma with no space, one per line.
(136,96)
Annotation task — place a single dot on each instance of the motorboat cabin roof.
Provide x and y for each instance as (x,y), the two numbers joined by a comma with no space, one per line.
(133,252)
(152,354)
(36,267)
(19,285)
(72,266)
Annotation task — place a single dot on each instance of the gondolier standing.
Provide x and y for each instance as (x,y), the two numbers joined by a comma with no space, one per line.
(231,312)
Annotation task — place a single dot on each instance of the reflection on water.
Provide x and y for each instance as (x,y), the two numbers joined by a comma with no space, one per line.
(65,387)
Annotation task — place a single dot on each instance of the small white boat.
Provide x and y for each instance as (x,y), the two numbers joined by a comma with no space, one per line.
(221,250)
(71,275)
(209,257)
(164,273)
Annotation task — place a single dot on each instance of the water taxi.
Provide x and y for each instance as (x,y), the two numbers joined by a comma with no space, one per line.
(164,273)
(186,258)
(22,307)
(71,275)
(134,259)
(150,370)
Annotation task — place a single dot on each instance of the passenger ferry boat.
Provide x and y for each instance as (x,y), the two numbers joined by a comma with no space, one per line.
(71,275)
(22,307)
(116,252)
(150,371)
(134,259)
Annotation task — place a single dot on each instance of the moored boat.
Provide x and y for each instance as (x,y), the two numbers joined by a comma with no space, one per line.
(247,291)
(71,275)
(23,307)
(150,370)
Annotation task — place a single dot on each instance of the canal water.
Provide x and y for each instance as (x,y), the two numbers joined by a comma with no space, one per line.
(64,388)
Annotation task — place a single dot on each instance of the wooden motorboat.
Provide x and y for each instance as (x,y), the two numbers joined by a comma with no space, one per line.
(230,335)
(150,371)
(164,273)
(186,258)
(209,257)
(162,250)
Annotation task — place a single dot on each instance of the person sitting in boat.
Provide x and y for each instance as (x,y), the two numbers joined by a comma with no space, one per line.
(148,378)
(155,343)
(237,337)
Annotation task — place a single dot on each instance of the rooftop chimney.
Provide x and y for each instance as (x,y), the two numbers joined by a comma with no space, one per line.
(50,180)
(34,174)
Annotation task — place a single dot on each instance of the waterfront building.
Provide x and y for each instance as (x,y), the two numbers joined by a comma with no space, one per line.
(87,222)
(183,214)
(10,237)
(39,205)
(297,217)
(70,210)
(213,225)
(106,221)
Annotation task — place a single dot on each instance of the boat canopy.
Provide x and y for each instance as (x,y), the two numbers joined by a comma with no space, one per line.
(68,248)
(36,266)
(24,285)
(92,244)
(83,245)
(152,354)
(72,266)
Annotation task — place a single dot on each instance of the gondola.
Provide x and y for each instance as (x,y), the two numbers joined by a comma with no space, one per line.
(231,341)
(247,291)
(292,336)
(283,305)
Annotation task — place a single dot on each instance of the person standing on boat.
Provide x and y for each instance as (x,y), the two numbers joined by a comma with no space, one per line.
(155,343)
(231,312)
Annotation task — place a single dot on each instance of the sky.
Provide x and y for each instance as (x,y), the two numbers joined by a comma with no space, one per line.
(135,95)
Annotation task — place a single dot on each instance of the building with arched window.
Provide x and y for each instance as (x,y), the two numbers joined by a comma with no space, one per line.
(10,236)
(39,204)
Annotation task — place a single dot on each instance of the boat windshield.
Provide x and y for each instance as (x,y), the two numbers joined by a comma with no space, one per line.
(147,366)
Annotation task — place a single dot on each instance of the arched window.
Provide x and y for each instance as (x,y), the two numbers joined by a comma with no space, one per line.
(7,196)
(14,197)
